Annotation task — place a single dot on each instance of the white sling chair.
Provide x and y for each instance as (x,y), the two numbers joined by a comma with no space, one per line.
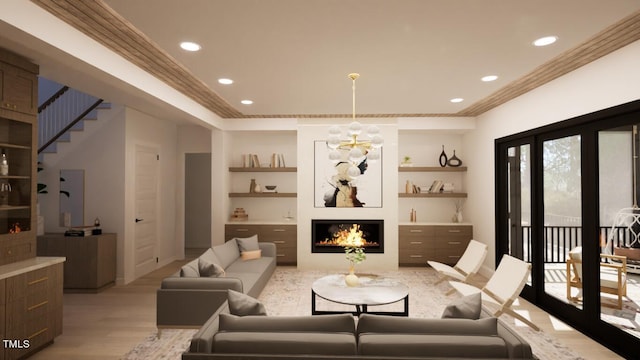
(502,289)
(467,266)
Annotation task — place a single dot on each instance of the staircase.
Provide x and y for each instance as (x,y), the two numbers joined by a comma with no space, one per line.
(62,114)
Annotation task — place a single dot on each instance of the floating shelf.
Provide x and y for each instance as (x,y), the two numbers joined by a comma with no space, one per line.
(431,169)
(264,195)
(263,169)
(11,207)
(433,195)
(14,146)
(14,177)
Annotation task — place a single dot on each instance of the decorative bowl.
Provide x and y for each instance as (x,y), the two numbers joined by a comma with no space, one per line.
(270,187)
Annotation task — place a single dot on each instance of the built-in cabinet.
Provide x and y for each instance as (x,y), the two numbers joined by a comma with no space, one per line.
(91,260)
(283,235)
(442,243)
(30,305)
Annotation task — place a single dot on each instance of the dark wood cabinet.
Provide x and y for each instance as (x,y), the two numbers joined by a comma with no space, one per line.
(91,260)
(31,296)
(442,243)
(18,85)
(284,236)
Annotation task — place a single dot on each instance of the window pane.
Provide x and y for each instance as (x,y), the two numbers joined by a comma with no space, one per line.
(562,217)
(619,229)
(519,182)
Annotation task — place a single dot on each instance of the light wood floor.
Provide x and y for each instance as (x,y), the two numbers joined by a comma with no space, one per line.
(107,325)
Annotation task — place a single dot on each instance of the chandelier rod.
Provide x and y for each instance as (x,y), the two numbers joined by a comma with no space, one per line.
(353,77)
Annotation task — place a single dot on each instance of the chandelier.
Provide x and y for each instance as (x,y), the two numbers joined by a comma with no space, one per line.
(354,150)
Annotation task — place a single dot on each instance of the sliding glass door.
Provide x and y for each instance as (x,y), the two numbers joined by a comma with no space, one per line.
(567,202)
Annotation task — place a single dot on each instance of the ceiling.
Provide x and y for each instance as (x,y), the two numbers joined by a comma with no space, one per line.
(292,57)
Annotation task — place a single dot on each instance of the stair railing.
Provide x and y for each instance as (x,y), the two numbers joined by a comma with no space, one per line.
(61,112)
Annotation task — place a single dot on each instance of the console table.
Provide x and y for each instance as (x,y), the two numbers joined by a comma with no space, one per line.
(91,260)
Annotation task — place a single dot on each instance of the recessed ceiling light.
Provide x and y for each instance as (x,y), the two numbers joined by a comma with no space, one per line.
(456,100)
(224,81)
(489,78)
(190,46)
(544,41)
(247,102)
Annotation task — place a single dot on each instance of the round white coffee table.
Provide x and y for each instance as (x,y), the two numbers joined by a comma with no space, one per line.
(373,290)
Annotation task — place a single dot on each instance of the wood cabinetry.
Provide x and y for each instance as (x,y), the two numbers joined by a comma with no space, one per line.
(18,86)
(442,243)
(18,134)
(91,260)
(31,294)
(284,236)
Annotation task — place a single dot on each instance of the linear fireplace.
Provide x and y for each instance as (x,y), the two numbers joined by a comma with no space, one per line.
(332,236)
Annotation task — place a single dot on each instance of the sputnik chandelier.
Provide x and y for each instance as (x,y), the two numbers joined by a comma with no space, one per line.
(358,151)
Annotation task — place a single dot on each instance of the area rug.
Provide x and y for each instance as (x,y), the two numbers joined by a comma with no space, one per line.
(289,293)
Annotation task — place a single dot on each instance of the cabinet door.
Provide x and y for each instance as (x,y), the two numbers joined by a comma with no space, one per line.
(19,90)
(415,244)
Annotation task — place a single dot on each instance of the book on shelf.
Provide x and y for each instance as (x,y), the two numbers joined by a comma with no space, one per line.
(436,186)
(277,160)
(250,160)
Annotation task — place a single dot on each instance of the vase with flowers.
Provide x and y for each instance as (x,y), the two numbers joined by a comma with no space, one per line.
(355,255)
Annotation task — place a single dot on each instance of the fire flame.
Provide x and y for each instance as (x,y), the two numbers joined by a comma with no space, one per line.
(352,237)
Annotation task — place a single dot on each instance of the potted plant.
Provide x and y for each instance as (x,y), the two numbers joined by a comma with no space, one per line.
(355,255)
(406,161)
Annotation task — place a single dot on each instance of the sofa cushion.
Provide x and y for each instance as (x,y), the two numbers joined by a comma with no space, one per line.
(466,307)
(339,323)
(256,266)
(432,345)
(190,269)
(248,244)
(290,343)
(227,253)
(209,269)
(369,323)
(242,305)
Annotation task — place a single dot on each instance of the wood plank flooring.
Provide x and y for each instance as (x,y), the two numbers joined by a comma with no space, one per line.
(107,325)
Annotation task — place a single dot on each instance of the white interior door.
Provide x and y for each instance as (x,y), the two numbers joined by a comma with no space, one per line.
(146,203)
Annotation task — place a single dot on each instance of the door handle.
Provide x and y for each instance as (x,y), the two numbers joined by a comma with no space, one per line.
(138,220)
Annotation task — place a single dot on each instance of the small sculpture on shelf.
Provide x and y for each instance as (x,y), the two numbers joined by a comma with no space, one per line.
(454,161)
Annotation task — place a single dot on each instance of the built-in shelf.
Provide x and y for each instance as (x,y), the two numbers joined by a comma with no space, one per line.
(11,207)
(15,177)
(14,146)
(263,169)
(265,195)
(433,195)
(431,169)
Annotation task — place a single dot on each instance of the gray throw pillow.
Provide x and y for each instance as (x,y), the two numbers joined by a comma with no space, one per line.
(209,269)
(242,305)
(190,269)
(466,307)
(248,244)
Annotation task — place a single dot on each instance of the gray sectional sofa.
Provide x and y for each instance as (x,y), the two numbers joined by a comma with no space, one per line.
(226,336)
(187,298)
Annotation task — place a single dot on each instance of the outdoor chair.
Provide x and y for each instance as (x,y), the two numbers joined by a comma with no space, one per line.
(613,275)
(466,267)
(502,289)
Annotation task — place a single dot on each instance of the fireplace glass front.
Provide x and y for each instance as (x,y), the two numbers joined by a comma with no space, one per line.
(332,236)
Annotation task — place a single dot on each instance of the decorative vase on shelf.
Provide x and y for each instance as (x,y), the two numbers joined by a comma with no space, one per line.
(443,158)
(252,186)
(459,216)
(351,279)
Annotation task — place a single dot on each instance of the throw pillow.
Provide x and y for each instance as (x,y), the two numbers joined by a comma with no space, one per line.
(466,307)
(250,255)
(209,269)
(190,269)
(248,244)
(242,305)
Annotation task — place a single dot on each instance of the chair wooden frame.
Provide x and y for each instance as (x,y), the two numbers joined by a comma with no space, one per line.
(466,267)
(617,266)
(502,289)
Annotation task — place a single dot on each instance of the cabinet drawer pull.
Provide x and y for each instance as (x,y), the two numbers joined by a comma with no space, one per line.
(281,255)
(33,307)
(454,243)
(415,230)
(415,242)
(454,231)
(38,333)
(415,256)
(33,282)
(280,230)
(242,230)
(279,241)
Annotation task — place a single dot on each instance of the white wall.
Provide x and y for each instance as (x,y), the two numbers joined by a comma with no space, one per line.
(611,80)
(308,133)
(100,151)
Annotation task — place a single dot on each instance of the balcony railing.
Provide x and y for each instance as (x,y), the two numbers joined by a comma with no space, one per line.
(558,240)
